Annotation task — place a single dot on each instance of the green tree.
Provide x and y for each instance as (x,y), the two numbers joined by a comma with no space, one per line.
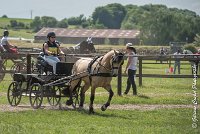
(13,23)
(4,16)
(36,25)
(111,16)
(63,23)
(76,20)
(47,21)
(160,25)
(197,40)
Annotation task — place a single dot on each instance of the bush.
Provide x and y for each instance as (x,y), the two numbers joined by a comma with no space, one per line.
(190,47)
(197,40)
(4,16)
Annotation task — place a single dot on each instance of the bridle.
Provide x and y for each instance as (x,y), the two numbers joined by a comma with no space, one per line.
(118,58)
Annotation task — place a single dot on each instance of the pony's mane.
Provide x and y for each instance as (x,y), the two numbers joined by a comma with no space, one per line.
(109,55)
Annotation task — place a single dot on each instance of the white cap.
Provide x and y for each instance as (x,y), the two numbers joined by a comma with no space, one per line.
(129,45)
(199,50)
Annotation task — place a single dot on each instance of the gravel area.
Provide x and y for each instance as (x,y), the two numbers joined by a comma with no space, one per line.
(143,107)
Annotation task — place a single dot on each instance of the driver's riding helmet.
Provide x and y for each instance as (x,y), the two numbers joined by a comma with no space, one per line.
(5,33)
(51,34)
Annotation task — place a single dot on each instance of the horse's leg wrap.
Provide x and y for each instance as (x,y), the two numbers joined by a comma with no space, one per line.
(69,102)
(111,94)
(82,99)
(104,107)
(91,109)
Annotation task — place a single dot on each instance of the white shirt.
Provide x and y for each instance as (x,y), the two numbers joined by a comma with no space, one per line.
(4,41)
(133,61)
(177,55)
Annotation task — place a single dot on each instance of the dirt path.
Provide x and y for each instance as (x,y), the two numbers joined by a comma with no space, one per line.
(143,107)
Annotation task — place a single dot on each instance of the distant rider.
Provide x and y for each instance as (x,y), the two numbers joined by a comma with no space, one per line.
(6,45)
(51,51)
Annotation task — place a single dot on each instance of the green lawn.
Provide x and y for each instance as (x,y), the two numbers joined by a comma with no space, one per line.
(4,22)
(23,33)
(165,121)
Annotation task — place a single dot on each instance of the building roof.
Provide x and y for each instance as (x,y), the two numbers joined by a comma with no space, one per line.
(97,33)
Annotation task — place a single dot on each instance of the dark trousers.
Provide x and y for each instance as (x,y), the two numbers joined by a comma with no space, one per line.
(177,64)
(131,81)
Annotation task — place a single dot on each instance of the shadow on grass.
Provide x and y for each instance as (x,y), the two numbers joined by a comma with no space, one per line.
(104,114)
(143,96)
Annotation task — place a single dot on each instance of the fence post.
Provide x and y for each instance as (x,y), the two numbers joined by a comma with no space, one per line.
(140,71)
(119,81)
(169,61)
(28,57)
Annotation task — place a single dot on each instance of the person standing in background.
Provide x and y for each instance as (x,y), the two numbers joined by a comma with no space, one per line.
(177,62)
(131,68)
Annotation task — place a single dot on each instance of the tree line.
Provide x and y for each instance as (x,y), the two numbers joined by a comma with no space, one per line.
(158,24)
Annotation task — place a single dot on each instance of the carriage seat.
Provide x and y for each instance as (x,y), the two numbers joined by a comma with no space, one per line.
(64,68)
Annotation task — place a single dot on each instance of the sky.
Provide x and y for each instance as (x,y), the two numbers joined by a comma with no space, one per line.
(61,9)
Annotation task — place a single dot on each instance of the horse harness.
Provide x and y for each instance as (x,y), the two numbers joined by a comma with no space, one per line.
(110,74)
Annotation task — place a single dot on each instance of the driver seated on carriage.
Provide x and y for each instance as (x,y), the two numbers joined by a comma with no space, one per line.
(51,50)
(5,45)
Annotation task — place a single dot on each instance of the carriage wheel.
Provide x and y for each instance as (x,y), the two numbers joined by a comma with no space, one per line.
(54,96)
(14,93)
(36,95)
(76,98)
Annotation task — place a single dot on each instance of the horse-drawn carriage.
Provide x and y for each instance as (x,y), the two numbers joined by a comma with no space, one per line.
(95,72)
(43,83)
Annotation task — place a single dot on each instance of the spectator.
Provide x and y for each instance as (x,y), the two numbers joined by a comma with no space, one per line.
(162,51)
(177,62)
(197,61)
(131,67)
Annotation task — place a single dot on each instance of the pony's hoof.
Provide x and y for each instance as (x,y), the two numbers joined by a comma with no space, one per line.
(103,108)
(69,102)
(80,108)
(91,110)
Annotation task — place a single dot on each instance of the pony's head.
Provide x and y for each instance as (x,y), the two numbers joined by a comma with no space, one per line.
(87,46)
(116,60)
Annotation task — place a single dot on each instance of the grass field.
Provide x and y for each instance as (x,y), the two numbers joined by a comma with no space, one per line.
(176,121)
(19,33)
(146,119)
(4,22)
